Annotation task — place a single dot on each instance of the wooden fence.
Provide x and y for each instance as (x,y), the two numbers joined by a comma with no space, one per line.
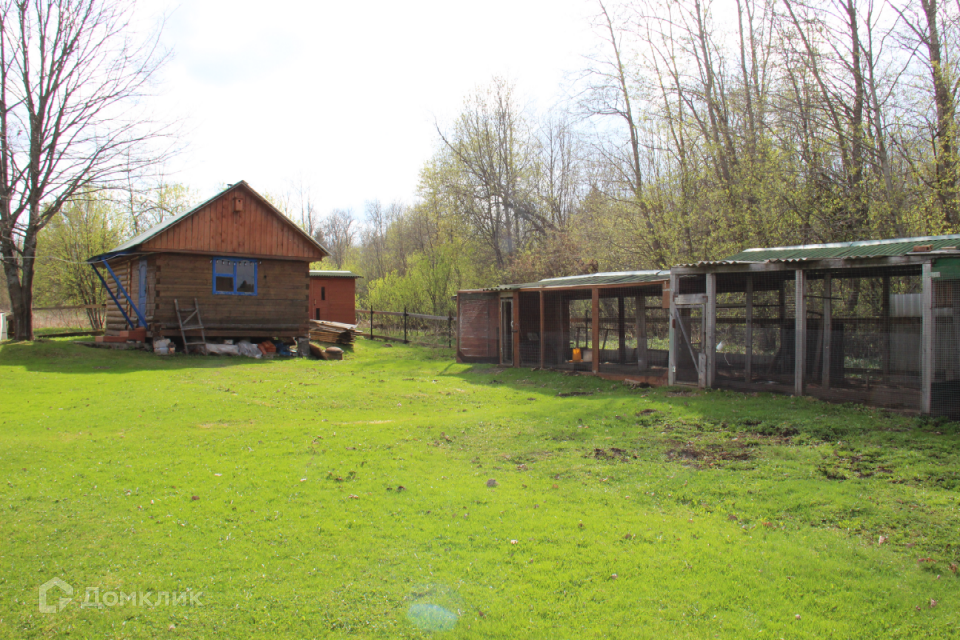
(408,328)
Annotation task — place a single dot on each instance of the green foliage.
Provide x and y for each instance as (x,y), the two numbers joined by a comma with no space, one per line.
(431,280)
(352,499)
(87,227)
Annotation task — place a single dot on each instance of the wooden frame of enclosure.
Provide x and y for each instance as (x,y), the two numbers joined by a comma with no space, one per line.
(533,325)
(807,362)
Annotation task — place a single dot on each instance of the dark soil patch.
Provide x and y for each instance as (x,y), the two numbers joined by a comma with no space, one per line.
(613,453)
(709,455)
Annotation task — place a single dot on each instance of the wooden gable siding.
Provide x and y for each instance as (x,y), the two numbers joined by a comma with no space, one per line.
(254,232)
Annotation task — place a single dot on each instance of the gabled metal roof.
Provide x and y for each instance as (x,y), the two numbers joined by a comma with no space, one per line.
(625,278)
(845,250)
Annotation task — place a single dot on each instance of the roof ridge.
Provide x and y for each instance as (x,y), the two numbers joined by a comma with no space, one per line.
(641,272)
(855,243)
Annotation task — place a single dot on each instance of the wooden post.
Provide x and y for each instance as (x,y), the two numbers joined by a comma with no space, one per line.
(926,341)
(955,359)
(827,330)
(450,332)
(404,325)
(516,328)
(672,362)
(748,333)
(641,322)
(542,325)
(501,331)
(371,322)
(885,327)
(595,320)
(710,329)
(782,310)
(621,329)
(800,340)
(564,327)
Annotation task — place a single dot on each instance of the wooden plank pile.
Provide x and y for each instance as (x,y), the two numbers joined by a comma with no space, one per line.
(332,332)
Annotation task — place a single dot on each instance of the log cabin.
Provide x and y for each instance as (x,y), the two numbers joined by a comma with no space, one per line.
(236,257)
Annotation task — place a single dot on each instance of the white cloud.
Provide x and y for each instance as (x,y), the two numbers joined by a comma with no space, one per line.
(345,94)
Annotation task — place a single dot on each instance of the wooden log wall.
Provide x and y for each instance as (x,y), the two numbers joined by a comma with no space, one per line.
(280,308)
(128,272)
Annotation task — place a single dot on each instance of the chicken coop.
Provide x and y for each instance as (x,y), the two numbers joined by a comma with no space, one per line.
(871,322)
(612,324)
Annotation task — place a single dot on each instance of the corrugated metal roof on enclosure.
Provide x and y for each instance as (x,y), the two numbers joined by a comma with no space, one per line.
(861,249)
(625,278)
(324,273)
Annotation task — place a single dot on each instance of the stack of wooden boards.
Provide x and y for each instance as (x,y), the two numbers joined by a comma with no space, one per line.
(332,332)
(133,335)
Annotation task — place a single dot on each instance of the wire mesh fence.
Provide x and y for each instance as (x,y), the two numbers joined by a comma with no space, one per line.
(556,330)
(864,332)
(755,330)
(945,391)
(409,328)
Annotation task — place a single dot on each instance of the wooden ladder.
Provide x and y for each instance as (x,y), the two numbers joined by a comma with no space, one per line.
(185,324)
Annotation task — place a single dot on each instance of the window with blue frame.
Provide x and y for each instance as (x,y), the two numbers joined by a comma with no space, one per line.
(235,276)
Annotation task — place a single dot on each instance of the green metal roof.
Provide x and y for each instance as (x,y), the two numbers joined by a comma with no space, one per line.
(333,274)
(860,249)
(625,278)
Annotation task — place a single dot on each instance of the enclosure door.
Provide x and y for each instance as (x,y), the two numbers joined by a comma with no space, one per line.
(506,331)
(691,360)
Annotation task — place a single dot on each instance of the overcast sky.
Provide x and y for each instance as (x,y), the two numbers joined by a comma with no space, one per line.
(344,95)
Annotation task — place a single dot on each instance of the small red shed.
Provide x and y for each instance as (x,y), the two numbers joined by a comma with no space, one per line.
(333,296)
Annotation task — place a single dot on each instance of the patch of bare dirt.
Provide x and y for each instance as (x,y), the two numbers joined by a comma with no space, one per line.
(709,455)
(613,453)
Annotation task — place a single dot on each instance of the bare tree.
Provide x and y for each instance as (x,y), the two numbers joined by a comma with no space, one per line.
(300,207)
(926,34)
(491,160)
(611,93)
(72,77)
(337,234)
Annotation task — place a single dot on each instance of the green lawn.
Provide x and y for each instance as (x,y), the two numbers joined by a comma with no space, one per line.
(311,499)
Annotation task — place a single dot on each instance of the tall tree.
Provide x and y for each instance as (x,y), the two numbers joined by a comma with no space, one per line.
(72,78)
(88,225)
(492,157)
(337,234)
(926,29)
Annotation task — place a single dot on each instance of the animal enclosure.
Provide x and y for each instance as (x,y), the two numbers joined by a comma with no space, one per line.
(873,323)
(606,323)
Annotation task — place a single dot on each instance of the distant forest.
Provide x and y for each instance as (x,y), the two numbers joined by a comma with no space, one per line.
(695,130)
